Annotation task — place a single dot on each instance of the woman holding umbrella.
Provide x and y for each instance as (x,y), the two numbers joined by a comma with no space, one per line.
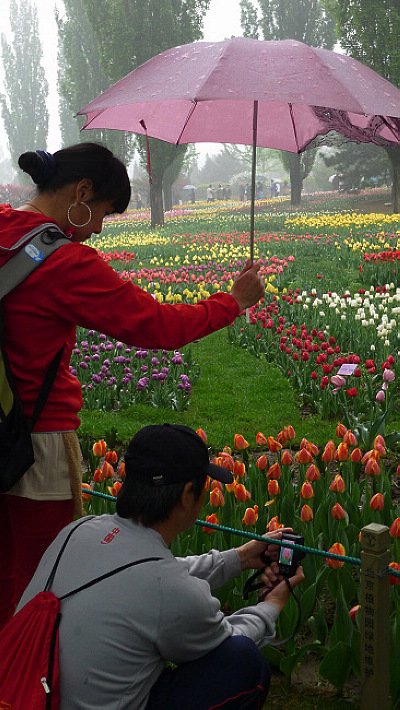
(77,188)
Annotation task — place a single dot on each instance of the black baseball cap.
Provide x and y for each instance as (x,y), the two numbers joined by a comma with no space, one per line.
(160,454)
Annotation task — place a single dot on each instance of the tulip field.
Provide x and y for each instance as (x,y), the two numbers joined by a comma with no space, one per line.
(328,326)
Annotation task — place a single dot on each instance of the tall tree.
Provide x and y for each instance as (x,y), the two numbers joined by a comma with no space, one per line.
(369,31)
(130,33)
(23,105)
(306,21)
(80,79)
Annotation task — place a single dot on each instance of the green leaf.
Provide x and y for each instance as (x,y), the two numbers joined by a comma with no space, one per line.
(342,629)
(356,652)
(307,603)
(273,655)
(289,663)
(335,666)
(319,627)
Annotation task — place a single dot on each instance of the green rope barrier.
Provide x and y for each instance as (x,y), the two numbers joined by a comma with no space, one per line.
(263,538)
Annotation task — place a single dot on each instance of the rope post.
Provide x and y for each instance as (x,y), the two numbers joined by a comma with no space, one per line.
(375,617)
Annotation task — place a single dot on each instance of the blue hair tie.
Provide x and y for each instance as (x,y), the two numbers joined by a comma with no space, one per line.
(49,164)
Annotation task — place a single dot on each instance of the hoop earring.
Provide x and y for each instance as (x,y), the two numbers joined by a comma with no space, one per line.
(75,204)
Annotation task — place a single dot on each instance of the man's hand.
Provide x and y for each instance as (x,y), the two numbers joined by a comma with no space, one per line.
(248,288)
(278,591)
(252,554)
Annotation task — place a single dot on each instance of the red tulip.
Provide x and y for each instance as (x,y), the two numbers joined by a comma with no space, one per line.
(286,458)
(395,528)
(356,455)
(216,498)
(303,456)
(274,471)
(340,430)
(342,452)
(241,493)
(111,457)
(99,448)
(240,442)
(107,469)
(349,438)
(250,516)
(306,514)
(336,549)
(338,513)
(274,524)
(392,578)
(353,612)
(352,392)
(273,445)
(239,469)
(290,433)
(115,488)
(372,467)
(98,476)
(273,488)
(202,434)
(312,473)
(307,491)
(329,452)
(337,485)
(377,502)
(86,496)
(262,462)
(211,519)
(261,439)
(230,487)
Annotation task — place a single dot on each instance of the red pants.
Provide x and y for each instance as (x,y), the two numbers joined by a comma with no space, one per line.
(27,527)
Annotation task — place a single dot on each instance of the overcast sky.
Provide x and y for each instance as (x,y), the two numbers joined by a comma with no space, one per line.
(221,21)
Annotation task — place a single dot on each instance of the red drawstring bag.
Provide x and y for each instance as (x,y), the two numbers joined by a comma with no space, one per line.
(29,670)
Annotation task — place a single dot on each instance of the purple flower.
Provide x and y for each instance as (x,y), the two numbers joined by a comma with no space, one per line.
(96,357)
(144,368)
(83,365)
(96,379)
(142,384)
(177,359)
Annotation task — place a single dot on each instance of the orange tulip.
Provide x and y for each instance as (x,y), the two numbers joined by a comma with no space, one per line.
(211,519)
(274,524)
(273,488)
(312,448)
(303,456)
(217,460)
(273,445)
(250,516)
(286,458)
(86,496)
(239,469)
(208,483)
(107,469)
(312,473)
(349,438)
(230,487)
(353,612)
(216,498)
(202,434)
(274,472)
(241,493)
(372,467)
(240,442)
(121,470)
(261,440)
(337,485)
(336,549)
(262,462)
(342,452)
(227,462)
(379,440)
(98,476)
(227,450)
(111,457)
(380,449)
(290,432)
(306,491)
(282,438)
(329,452)
(99,448)
(377,502)
(356,455)
(340,430)
(392,578)
(216,484)
(115,488)
(338,513)
(395,528)
(306,514)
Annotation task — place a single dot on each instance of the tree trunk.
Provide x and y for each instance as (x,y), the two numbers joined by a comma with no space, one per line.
(156,200)
(394,157)
(167,192)
(296,182)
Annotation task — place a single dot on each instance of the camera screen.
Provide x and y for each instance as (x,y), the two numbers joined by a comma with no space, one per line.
(286,556)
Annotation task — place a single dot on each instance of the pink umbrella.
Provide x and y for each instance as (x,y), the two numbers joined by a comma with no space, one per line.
(278,94)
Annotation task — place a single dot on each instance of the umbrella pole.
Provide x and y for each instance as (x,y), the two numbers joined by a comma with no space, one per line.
(253,179)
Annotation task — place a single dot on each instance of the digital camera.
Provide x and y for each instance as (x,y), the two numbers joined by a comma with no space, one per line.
(289,558)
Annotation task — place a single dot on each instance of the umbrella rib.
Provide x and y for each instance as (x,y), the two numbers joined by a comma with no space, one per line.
(294,127)
(192,108)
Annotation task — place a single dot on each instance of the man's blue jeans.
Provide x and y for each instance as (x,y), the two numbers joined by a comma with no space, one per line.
(235,676)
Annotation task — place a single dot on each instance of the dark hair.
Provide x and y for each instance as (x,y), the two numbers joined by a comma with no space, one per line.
(153,504)
(84,160)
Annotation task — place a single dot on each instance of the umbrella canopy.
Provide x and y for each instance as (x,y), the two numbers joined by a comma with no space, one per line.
(205,91)
(189,187)
(277,94)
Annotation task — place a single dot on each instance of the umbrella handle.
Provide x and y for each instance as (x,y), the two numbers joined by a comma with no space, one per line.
(253,178)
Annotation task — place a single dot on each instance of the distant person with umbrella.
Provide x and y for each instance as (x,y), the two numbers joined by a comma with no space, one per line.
(77,188)
(210,193)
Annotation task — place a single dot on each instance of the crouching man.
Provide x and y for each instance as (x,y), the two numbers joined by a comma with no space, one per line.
(116,636)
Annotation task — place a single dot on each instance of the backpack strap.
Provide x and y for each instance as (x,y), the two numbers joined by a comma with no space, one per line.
(39,244)
(97,579)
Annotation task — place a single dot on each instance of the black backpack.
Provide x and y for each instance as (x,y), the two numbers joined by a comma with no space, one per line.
(16,450)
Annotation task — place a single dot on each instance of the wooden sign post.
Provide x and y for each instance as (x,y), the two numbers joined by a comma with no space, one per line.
(375,618)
